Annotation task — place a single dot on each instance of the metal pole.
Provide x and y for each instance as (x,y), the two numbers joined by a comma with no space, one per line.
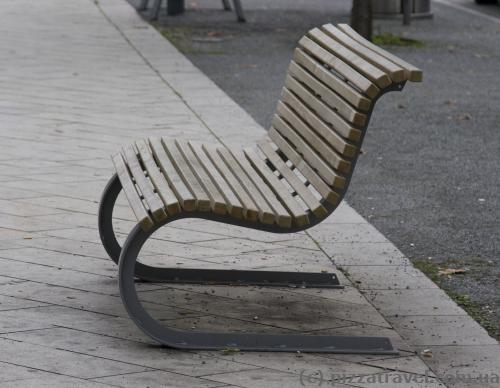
(175,7)
(407,7)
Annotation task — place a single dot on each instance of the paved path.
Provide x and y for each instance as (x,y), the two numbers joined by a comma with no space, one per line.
(439,169)
(78,80)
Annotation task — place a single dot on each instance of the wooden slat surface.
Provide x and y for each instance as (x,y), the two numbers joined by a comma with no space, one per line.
(322,110)
(234,207)
(182,192)
(350,94)
(413,73)
(140,211)
(160,183)
(318,183)
(371,72)
(266,213)
(395,72)
(145,186)
(313,140)
(361,82)
(282,217)
(327,95)
(338,143)
(307,196)
(281,191)
(217,201)
(203,201)
(327,173)
(250,209)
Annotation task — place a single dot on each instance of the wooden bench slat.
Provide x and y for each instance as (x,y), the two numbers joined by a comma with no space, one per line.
(182,192)
(313,140)
(322,110)
(350,94)
(318,126)
(328,58)
(266,213)
(299,215)
(412,73)
(395,72)
(327,173)
(217,201)
(156,206)
(250,210)
(300,164)
(233,204)
(160,183)
(371,72)
(309,199)
(327,95)
(282,217)
(203,201)
(128,186)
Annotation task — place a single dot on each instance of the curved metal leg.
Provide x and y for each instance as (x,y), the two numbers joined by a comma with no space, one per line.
(226,5)
(215,341)
(105,218)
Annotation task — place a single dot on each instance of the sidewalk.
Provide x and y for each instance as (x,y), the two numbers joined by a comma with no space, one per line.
(80,79)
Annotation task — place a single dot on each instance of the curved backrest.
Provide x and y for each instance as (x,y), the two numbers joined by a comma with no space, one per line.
(331,86)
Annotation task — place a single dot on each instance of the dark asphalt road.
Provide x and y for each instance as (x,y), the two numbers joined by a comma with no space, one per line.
(430,174)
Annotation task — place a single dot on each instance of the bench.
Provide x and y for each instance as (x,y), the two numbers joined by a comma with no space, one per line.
(178,7)
(291,180)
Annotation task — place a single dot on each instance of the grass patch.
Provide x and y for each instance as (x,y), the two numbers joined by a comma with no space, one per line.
(182,39)
(474,309)
(389,39)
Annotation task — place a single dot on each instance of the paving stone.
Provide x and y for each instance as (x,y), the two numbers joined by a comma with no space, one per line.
(60,361)
(446,330)
(413,302)
(465,366)
(156,379)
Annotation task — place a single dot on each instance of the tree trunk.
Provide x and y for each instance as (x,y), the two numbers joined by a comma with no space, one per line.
(361,17)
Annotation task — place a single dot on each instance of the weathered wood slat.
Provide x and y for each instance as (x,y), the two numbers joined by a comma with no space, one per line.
(234,207)
(412,73)
(327,173)
(395,72)
(313,140)
(300,164)
(182,192)
(332,138)
(282,217)
(203,201)
(128,186)
(266,213)
(299,215)
(159,181)
(217,201)
(327,95)
(250,209)
(361,82)
(293,180)
(371,72)
(350,94)
(156,206)
(322,110)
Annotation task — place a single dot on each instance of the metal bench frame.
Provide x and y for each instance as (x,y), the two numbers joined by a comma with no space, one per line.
(130,269)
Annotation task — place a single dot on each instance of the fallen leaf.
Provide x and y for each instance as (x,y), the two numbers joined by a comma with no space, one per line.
(427,353)
(451,271)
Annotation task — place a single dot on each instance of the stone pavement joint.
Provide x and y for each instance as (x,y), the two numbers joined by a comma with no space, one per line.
(81,79)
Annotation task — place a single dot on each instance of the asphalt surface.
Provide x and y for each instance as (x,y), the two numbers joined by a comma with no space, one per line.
(430,172)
